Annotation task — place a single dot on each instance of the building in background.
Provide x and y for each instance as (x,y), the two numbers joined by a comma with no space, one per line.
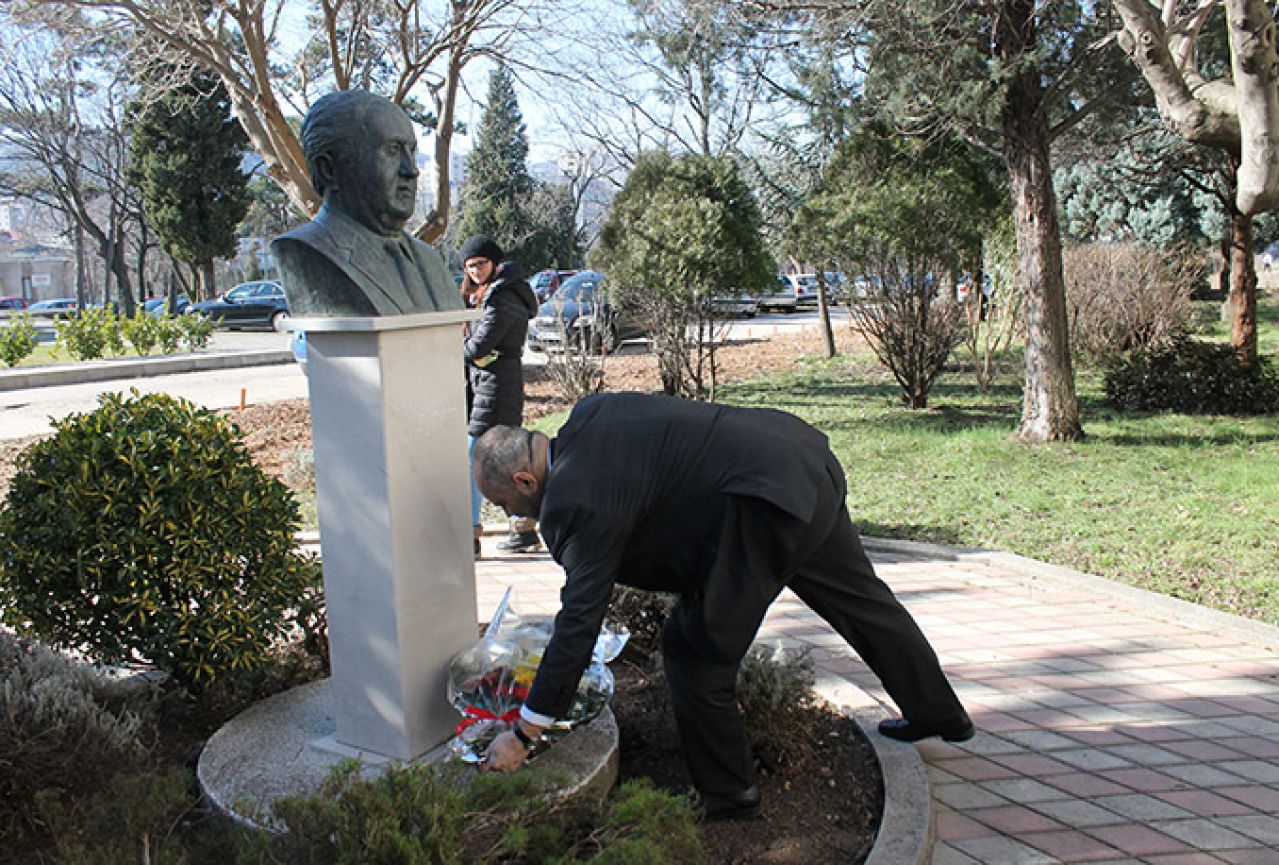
(34,271)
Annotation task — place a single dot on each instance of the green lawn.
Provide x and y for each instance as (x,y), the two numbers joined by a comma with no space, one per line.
(1184,505)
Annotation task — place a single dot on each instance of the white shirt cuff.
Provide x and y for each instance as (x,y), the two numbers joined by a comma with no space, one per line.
(534,718)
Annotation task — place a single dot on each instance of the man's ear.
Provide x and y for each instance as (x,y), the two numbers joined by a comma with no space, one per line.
(525,482)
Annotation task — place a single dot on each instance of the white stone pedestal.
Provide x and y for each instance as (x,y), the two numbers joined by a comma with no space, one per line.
(388,419)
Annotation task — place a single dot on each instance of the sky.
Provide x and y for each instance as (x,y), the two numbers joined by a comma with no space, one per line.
(536,100)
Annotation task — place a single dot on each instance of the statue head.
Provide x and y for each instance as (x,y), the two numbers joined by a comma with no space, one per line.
(361,152)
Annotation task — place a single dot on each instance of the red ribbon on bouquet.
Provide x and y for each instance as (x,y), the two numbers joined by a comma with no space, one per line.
(475,714)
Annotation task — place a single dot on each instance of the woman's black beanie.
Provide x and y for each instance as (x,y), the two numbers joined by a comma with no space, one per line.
(481,246)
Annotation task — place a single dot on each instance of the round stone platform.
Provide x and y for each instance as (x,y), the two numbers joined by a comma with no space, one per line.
(285,746)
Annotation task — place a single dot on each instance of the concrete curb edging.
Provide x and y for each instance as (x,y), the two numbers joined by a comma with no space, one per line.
(142,367)
(907,826)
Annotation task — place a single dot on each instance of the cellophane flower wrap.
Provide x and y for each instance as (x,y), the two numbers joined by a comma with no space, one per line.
(489,681)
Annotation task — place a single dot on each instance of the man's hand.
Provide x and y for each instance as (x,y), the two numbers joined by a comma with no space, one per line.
(506,753)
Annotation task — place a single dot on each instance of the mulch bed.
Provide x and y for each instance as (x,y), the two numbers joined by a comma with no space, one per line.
(822,802)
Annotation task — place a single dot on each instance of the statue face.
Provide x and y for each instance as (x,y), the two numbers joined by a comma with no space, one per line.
(377,184)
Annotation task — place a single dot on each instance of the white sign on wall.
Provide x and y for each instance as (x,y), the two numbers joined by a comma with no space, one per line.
(39,280)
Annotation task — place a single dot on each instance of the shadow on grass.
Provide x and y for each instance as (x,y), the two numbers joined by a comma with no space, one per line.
(918,532)
(952,407)
(1181,440)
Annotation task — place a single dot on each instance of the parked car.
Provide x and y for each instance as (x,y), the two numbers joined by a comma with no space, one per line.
(732,305)
(54,308)
(249,304)
(581,315)
(158,305)
(805,288)
(546,282)
(784,297)
(837,287)
(13,303)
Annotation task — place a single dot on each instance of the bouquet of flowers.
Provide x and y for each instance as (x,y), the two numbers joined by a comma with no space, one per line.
(489,681)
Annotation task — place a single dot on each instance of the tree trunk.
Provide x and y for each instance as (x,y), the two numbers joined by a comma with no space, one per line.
(1243,289)
(1050,411)
(1223,273)
(81,269)
(209,278)
(124,285)
(823,315)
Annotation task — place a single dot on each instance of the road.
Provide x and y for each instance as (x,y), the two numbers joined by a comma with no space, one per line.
(28,412)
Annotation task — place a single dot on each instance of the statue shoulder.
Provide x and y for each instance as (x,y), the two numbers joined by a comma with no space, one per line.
(314,234)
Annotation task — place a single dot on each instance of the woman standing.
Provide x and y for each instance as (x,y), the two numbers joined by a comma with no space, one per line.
(493,348)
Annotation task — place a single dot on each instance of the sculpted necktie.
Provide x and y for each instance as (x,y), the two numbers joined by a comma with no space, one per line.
(404,267)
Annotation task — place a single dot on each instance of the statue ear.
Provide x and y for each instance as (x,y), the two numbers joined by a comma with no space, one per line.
(325,173)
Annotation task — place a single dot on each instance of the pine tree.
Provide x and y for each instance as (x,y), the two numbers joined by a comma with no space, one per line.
(185,154)
(498,187)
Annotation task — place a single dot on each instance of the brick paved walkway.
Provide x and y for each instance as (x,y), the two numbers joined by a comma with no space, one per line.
(1117,727)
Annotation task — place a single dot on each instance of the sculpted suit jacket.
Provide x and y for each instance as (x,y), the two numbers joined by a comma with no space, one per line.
(333,265)
(636,494)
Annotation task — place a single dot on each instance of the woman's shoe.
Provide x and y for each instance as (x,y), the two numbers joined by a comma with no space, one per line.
(520,542)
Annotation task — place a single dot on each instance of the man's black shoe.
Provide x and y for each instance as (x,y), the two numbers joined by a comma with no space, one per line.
(952,730)
(520,542)
(731,806)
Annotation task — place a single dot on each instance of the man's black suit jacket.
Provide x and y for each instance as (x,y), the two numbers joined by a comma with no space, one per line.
(637,485)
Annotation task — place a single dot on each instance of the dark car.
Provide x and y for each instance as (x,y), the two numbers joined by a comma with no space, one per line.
(581,315)
(249,304)
(546,282)
(159,305)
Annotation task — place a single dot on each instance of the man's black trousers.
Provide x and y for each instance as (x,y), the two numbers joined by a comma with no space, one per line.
(709,631)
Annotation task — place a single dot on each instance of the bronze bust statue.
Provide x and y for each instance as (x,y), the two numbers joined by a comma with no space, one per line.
(355,258)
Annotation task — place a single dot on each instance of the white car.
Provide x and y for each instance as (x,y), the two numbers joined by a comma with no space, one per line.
(792,292)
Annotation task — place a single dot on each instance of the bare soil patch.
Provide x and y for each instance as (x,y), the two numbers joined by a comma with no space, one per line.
(823,801)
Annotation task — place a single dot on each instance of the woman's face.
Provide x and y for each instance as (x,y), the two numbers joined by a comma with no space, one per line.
(478,269)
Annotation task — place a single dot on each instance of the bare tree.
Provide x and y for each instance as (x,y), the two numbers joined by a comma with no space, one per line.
(64,145)
(1237,111)
(677,76)
(408,48)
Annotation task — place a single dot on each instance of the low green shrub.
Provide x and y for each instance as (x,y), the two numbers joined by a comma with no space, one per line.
(17,339)
(142,332)
(133,818)
(1193,377)
(446,815)
(774,689)
(196,330)
(64,728)
(143,530)
(169,333)
(91,333)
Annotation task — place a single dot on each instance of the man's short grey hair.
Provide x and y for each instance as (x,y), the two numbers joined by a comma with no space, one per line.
(332,125)
(500,453)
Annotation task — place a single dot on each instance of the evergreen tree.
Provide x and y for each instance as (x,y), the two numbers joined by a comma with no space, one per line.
(497,180)
(682,230)
(185,154)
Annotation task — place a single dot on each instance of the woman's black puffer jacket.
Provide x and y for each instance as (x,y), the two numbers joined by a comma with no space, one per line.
(493,349)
